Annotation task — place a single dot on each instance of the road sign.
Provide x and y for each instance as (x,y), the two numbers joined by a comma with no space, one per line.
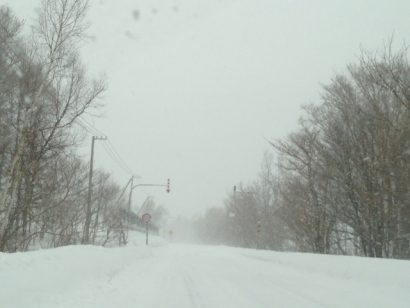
(146,218)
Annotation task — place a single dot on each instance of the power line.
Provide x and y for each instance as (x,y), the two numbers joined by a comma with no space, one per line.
(120,162)
(115,159)
(88,128)
(107,146)
(119,156)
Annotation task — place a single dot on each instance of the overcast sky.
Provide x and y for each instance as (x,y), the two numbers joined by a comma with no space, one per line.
(195,86)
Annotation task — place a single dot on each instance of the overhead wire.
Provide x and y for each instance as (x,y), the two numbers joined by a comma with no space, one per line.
(88,128)
(107,145)
(119,162)
(110,144)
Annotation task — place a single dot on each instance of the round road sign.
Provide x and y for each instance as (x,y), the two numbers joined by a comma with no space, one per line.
(146,218)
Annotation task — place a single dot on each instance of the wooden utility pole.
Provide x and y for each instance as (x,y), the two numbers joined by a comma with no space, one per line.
(130,195)
(129,205)
(86,234)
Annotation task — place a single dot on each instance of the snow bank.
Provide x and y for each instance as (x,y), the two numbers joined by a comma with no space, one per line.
(43,278)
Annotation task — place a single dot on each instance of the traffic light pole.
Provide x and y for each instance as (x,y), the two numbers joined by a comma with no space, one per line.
(155,185)
(132,187)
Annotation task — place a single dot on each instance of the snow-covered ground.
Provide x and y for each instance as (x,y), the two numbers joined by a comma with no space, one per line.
(180,275)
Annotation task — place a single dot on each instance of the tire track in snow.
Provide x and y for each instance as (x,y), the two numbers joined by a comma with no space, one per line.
(192,293)
(190,285)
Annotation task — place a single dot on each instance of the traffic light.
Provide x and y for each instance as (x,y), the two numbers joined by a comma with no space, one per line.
(168,186)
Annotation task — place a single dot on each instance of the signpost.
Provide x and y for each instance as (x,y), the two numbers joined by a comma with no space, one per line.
(146,218)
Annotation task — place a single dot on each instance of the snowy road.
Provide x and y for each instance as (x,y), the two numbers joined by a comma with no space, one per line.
(176,275)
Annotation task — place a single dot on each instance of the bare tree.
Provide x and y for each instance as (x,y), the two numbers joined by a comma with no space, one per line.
(342,185)
(51,93)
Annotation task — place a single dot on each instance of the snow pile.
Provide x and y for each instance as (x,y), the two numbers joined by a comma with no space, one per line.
(72,274)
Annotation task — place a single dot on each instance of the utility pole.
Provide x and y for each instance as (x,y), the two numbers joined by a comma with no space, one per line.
(86,234)
(130,195)
(129,204)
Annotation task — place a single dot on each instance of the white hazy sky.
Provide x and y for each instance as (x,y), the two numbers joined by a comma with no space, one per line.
(195,86)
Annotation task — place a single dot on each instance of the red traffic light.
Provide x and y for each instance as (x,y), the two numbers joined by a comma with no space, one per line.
(168,186)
